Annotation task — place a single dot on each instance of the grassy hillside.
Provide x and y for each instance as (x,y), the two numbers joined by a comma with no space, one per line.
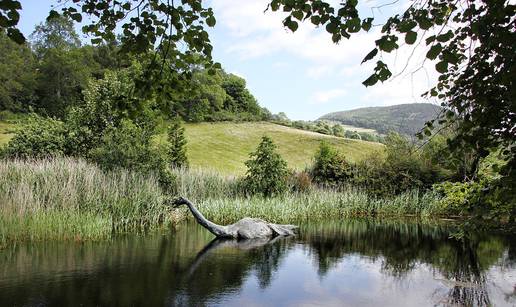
(407,119)
(6,131)
(226,146)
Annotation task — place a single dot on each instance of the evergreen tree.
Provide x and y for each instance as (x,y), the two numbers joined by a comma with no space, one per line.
(266,170)
(177,145)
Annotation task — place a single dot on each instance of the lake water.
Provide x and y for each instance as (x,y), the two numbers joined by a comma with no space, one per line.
(350,263)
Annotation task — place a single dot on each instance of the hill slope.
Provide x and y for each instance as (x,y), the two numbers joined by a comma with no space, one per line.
(225,146)
(406,119)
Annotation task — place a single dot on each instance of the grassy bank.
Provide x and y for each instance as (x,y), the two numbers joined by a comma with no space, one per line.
(64,198)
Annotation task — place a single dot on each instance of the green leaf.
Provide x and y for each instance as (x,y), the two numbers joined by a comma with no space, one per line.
(331,27)
(430,39)
(298,15)
(387,43)
(371,80)
(410,37)
(96,41)
(315,20)
(210,21)
(16,35)
(442,67)
(77,17)
(370,55)
(445,37)
(407,25)
(434,51)
(424,22)
(292,25)
(366,24)
(53,14)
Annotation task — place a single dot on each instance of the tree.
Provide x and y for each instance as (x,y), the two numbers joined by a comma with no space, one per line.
(54,34)
(266,170)
(63,69)
(17,75)
(338,130)
(474,59)
(176,151)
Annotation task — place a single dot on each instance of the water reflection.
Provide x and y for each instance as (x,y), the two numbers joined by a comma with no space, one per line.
(356,262)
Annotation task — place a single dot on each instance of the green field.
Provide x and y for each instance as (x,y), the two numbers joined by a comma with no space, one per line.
(6,131)
(225,147)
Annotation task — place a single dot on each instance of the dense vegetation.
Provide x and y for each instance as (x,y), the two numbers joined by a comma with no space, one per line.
(407,119)
(51,73)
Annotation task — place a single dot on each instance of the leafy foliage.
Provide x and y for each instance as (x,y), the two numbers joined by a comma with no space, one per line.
(330,167)
(17,77)
(39,137)
(266,170)
(127,146)
(475,62)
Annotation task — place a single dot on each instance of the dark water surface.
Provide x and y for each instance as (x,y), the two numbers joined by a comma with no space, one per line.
(351,263)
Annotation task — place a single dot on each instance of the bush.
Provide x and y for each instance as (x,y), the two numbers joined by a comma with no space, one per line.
(403,168)
(127,147)
(39,137)
(266,170)
(330,167)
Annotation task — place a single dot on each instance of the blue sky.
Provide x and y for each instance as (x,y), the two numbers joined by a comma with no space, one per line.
(302,74)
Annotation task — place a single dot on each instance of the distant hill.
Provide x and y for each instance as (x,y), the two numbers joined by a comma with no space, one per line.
(406,119)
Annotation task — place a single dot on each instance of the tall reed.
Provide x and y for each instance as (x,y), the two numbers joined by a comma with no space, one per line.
(66,198)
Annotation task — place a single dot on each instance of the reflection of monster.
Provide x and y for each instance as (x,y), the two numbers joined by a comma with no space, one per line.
(218,243)
(213,273)
(246,228)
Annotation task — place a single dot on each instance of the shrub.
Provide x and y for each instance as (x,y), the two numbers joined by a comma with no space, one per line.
(39,137)
(266,170)
(330,167)
(403,168)
(127,146)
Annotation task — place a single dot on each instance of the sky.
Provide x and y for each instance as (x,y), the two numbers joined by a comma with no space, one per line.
(302,74)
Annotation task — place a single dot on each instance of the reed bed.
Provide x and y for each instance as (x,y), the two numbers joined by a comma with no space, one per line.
(70,198)
(65,198)
(317,205)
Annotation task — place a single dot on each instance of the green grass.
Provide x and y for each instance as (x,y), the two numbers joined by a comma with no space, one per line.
(6,131)
(224,147)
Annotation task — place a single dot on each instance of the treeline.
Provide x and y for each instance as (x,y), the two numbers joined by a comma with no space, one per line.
(49,75)
(325,127)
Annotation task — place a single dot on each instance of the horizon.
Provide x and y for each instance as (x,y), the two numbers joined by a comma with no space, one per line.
(322,78)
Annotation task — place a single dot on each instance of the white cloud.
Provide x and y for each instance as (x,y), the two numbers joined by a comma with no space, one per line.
(325,96)
(257,34)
